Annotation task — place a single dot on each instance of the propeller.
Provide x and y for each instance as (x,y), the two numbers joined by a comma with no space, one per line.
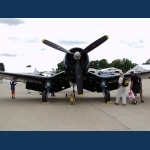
(95,44)
(77,57)
(56,46)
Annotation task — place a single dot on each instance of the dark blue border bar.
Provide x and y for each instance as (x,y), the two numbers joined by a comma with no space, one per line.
(87,140)
(75,9)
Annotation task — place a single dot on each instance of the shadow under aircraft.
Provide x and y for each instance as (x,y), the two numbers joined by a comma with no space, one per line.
(75,65)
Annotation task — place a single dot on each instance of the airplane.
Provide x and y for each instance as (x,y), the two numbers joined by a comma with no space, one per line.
(106,71)
(76,65)
(44,73)
(48,73)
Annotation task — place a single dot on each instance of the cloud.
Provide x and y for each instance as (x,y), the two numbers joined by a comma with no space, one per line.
(64,42)
(34,40)
(11,21)
(141,41)
(138,44)
(7,55)
(14,39)
(42,49)
(131,58)
(22,54)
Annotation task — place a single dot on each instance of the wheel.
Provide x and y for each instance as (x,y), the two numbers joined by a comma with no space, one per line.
(107,96)
(71,100)
(44,96)
(74,95)
(73,90)
(66,94)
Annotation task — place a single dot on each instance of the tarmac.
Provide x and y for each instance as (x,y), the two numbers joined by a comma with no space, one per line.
(88,113)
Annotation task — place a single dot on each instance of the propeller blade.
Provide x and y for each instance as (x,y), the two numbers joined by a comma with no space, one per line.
(79,78)
(95,44)
(55,46)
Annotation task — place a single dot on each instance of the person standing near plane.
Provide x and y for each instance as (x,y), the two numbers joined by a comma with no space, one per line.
(12,86)
(134,86)
(121,90)
(140,87)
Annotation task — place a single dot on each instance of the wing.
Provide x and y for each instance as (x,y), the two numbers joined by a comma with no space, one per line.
(143,75)
(93,82)
(24,77)
(36,82)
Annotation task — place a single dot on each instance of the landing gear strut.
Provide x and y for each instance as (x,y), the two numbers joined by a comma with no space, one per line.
(45,96)
(45,92)
(106,93)
(73,89)
(106,96)
(72,94)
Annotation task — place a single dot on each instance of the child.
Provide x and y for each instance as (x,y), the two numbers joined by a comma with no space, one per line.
(13,88)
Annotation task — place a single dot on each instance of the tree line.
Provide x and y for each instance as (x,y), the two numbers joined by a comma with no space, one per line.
(123,64)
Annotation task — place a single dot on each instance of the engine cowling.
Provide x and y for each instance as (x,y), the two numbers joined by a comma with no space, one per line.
(69,61)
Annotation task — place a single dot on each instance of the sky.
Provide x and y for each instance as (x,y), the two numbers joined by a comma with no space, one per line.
(20,40)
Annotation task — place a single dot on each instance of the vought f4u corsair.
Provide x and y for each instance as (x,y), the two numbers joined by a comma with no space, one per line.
(76,65)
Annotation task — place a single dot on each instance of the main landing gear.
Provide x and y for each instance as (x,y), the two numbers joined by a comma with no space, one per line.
(106,96)
(45,96)
(106,93)
(46,90)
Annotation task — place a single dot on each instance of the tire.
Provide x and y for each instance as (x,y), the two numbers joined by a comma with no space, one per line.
(107,96)
(44,96)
